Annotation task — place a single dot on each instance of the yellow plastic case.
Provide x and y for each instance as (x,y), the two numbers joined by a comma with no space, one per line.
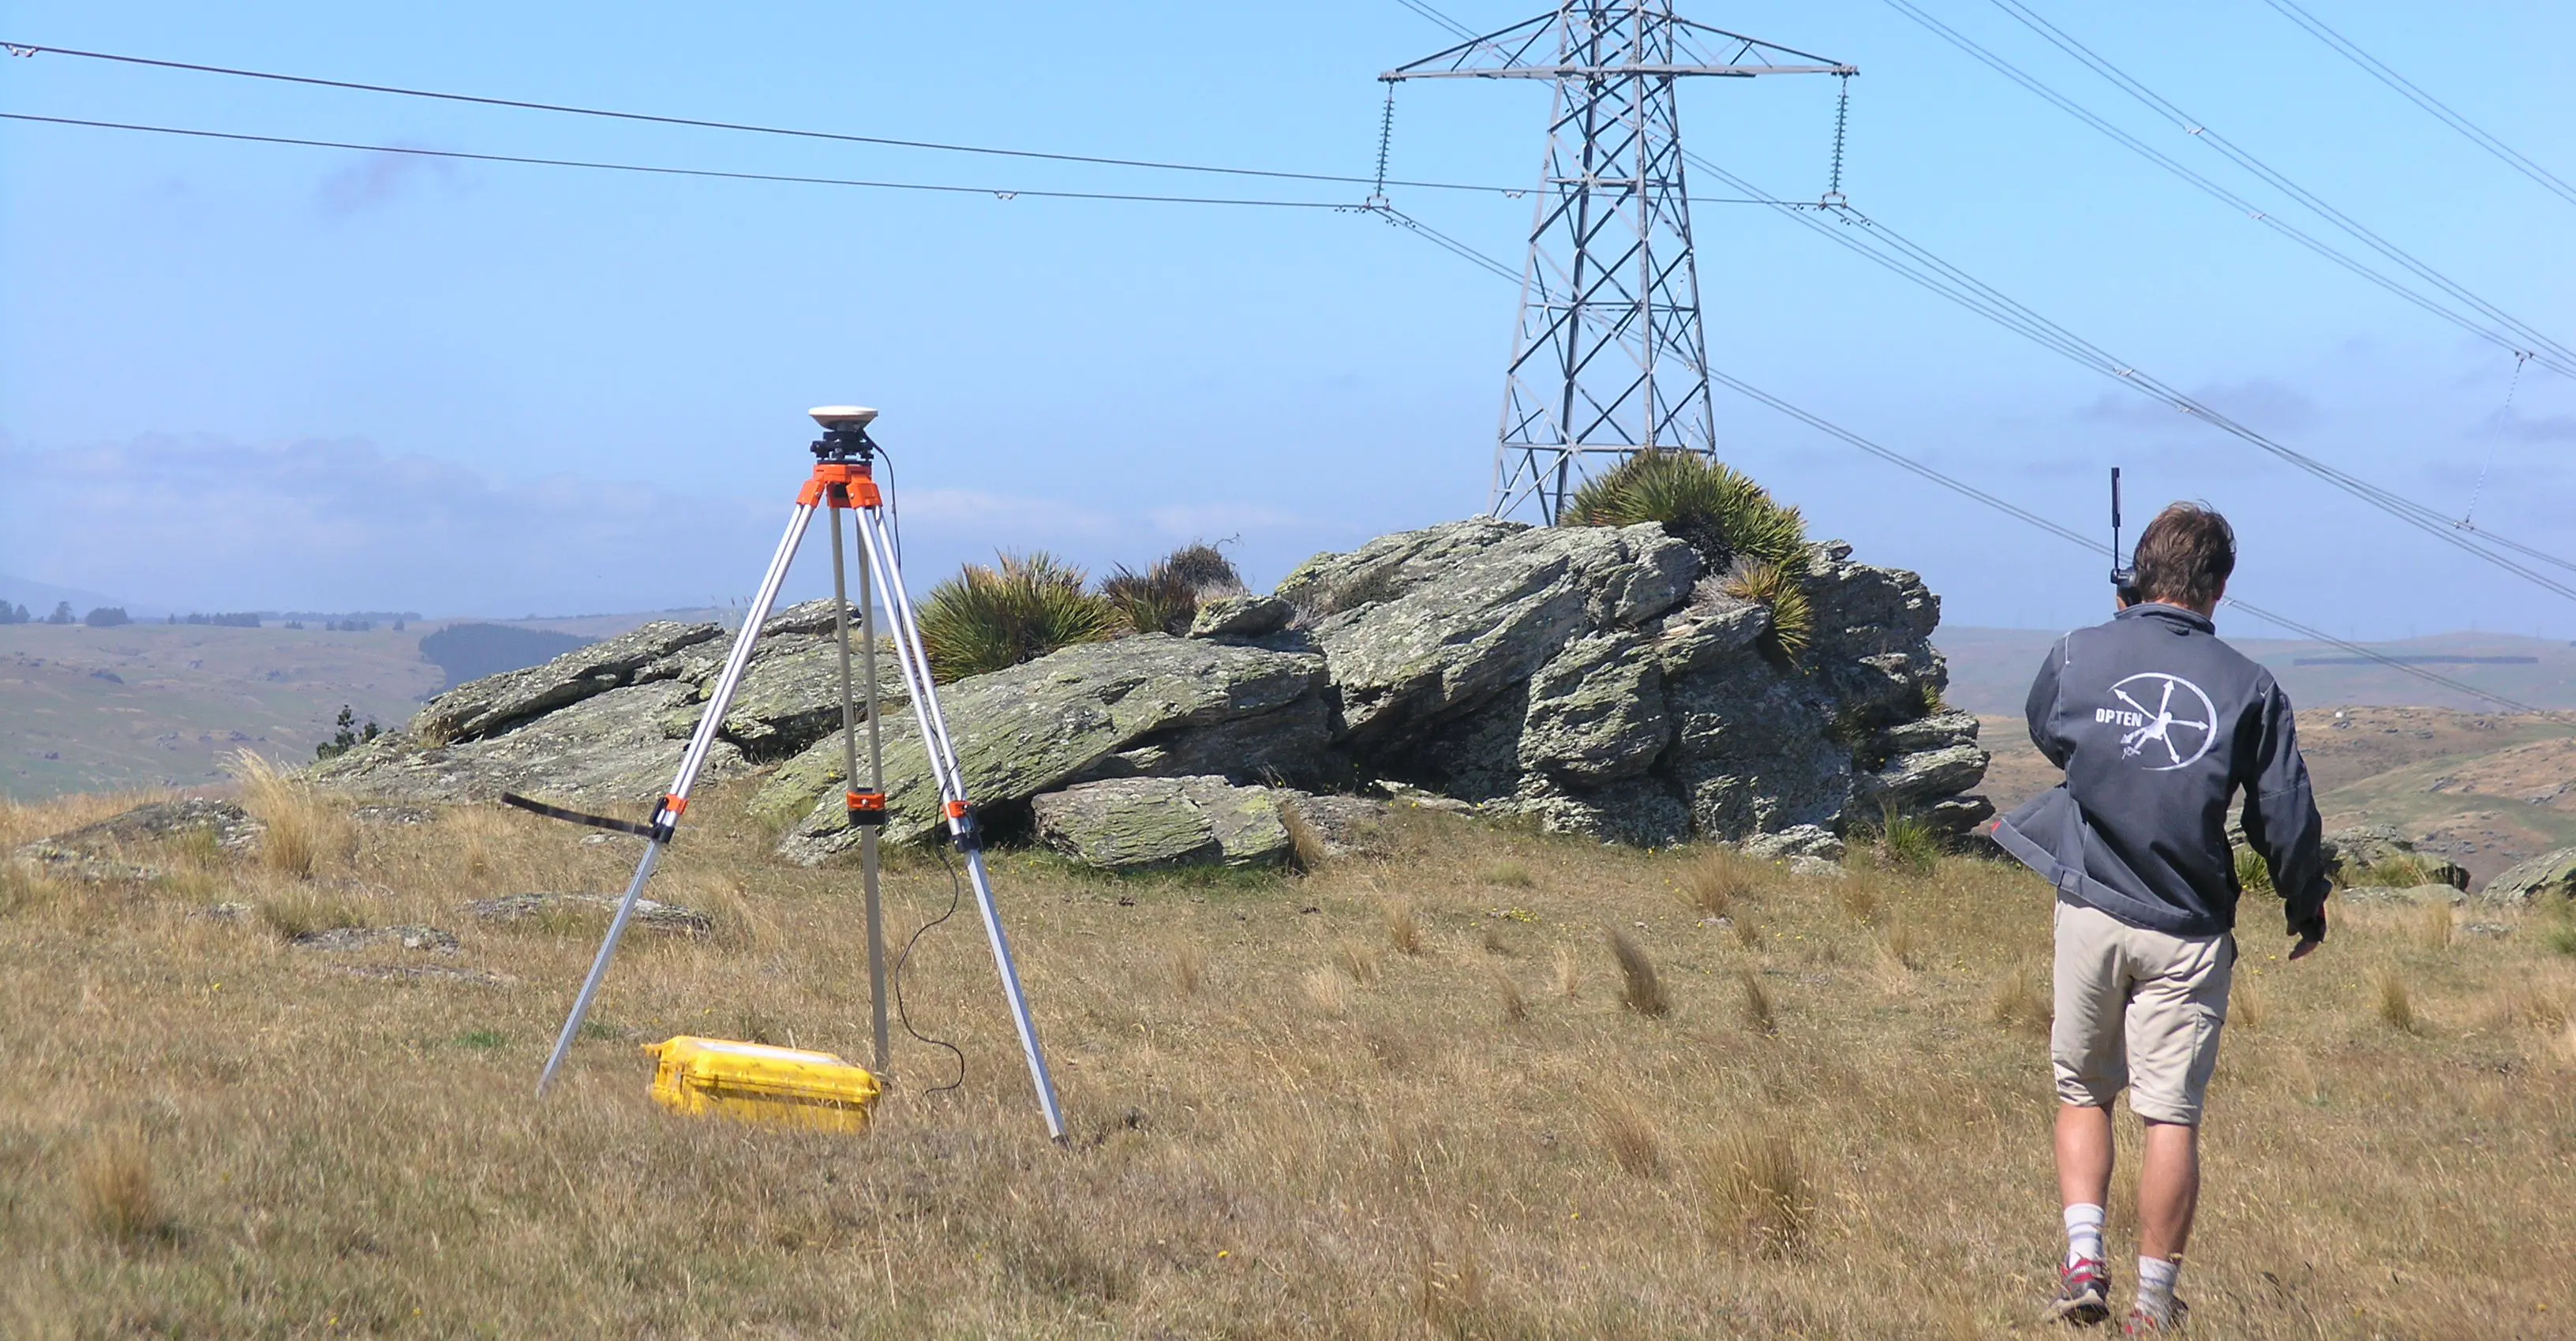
(759,1083)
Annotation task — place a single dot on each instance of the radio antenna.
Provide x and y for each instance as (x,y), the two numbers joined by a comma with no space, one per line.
(2124,576)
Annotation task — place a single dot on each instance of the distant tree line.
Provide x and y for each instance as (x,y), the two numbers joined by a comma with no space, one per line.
(13,614)
(239,619)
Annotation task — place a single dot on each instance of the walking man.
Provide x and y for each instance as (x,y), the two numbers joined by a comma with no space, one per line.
(2158,725)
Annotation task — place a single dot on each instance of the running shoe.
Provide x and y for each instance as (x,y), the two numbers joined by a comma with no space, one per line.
(2143,1323)
(2083,1293)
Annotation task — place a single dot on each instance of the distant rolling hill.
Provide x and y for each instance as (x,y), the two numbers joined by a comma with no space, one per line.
(1991,669)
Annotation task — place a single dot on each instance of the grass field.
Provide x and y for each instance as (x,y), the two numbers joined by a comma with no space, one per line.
(1410,1094)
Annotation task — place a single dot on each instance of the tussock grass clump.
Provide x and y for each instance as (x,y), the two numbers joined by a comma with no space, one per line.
(1307,849)
(1629,1138)
(1759,1187)
(1510,874)
(1720,879)
(1905,843)
(1327,990)
(1754,1003)
(300,911)
(2252,876)
(1403,926)
(2023,1001)
(300,826)
(2396,1003)
(985,619)
(1565,979)
(1902,946)
(1189,969)
(118,1201)
(2434,925)
(1714,508)
(1507,994)
(1780,588)
(1165,597)
(2399,870)
(2247,1006)
(1641,989)
(1861,899)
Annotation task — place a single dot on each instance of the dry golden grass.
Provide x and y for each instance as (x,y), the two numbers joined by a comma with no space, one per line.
(213,1133)
(1640,988)
(2396,1003)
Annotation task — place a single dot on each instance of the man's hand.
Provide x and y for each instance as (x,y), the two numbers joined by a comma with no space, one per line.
(2307,946)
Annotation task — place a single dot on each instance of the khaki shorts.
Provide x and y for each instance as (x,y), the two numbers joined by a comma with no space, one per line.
(2137,1009)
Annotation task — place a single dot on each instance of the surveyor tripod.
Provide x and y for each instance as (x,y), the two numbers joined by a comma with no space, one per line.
(844,480)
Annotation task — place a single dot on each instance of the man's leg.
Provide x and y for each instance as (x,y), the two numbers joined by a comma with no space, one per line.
(2168,1189)
(2175,1019)
(2085,1050)
(2084,1154)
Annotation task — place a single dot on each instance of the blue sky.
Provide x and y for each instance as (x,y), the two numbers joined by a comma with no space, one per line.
(253,376)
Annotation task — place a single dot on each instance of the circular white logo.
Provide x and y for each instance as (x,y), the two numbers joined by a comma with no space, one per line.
(2157,719)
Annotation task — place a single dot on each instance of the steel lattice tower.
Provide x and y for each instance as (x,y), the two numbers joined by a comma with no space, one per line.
(1610,358)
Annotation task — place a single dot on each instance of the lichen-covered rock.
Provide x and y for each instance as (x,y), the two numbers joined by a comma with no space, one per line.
(1596,711)
(1702,635)
(1091,711)
(791,695)
(650,914)
(1797,841)
(1341,825)
(95,852)
(429,940)
(1910,782)
(1486,619)
(1755,750)
(2549,875)
(1241,616)
(2373,852)
(1387,567)
(606,750)
(495,703)
(1132,824)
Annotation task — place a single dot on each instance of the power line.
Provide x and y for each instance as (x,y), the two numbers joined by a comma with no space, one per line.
(2379,70)
(22,48)
(2464,321)
(2042,523)
(1920,266)
(1002,193)
(2244,158)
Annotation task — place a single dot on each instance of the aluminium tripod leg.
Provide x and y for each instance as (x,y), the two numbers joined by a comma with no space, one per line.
(676,800)
(951,781)
(850,775)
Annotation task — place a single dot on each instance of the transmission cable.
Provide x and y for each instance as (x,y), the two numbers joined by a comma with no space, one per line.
(27,49)
(2244,158)
(1918,265)
(2441,111)
(2054,528)
(1000,193)
(2563,366)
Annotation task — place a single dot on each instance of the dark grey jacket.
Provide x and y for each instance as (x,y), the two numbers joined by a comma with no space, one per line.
(2158,724)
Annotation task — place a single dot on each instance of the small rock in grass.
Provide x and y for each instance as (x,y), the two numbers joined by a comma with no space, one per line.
(428,939)
(427,973)
(649,914)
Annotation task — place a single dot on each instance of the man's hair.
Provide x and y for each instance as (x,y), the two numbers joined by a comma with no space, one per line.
(2185,555)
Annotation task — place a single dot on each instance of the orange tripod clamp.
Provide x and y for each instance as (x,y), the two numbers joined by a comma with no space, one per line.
(841,484)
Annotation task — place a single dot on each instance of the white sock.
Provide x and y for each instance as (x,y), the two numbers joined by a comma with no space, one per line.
(2156,1286)
(2083,1233)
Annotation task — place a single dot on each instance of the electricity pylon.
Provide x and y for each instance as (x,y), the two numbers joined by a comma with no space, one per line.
(1609,359)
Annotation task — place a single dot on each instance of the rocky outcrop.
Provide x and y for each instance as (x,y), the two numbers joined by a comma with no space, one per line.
(1595,679)
(2377,853)
(97,852)
(1150,705)
(2549,875)
(650,914)
(606,724)
(1132,824)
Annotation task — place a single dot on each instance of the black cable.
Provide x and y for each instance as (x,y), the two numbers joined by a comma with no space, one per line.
(956,895)
(21,48)
(2441,111)
(2243,158)
(2071,536)
(594,165)
(1920,266)
(2149,152)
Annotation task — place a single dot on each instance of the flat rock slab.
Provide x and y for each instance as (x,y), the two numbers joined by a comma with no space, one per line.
(96,852)
(1344,825)
(1090,711)
(430,940)
(496,702)
(649,914)
(420,973)
(608,750)
(1133,824)
(2551,874)
(2441,893)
